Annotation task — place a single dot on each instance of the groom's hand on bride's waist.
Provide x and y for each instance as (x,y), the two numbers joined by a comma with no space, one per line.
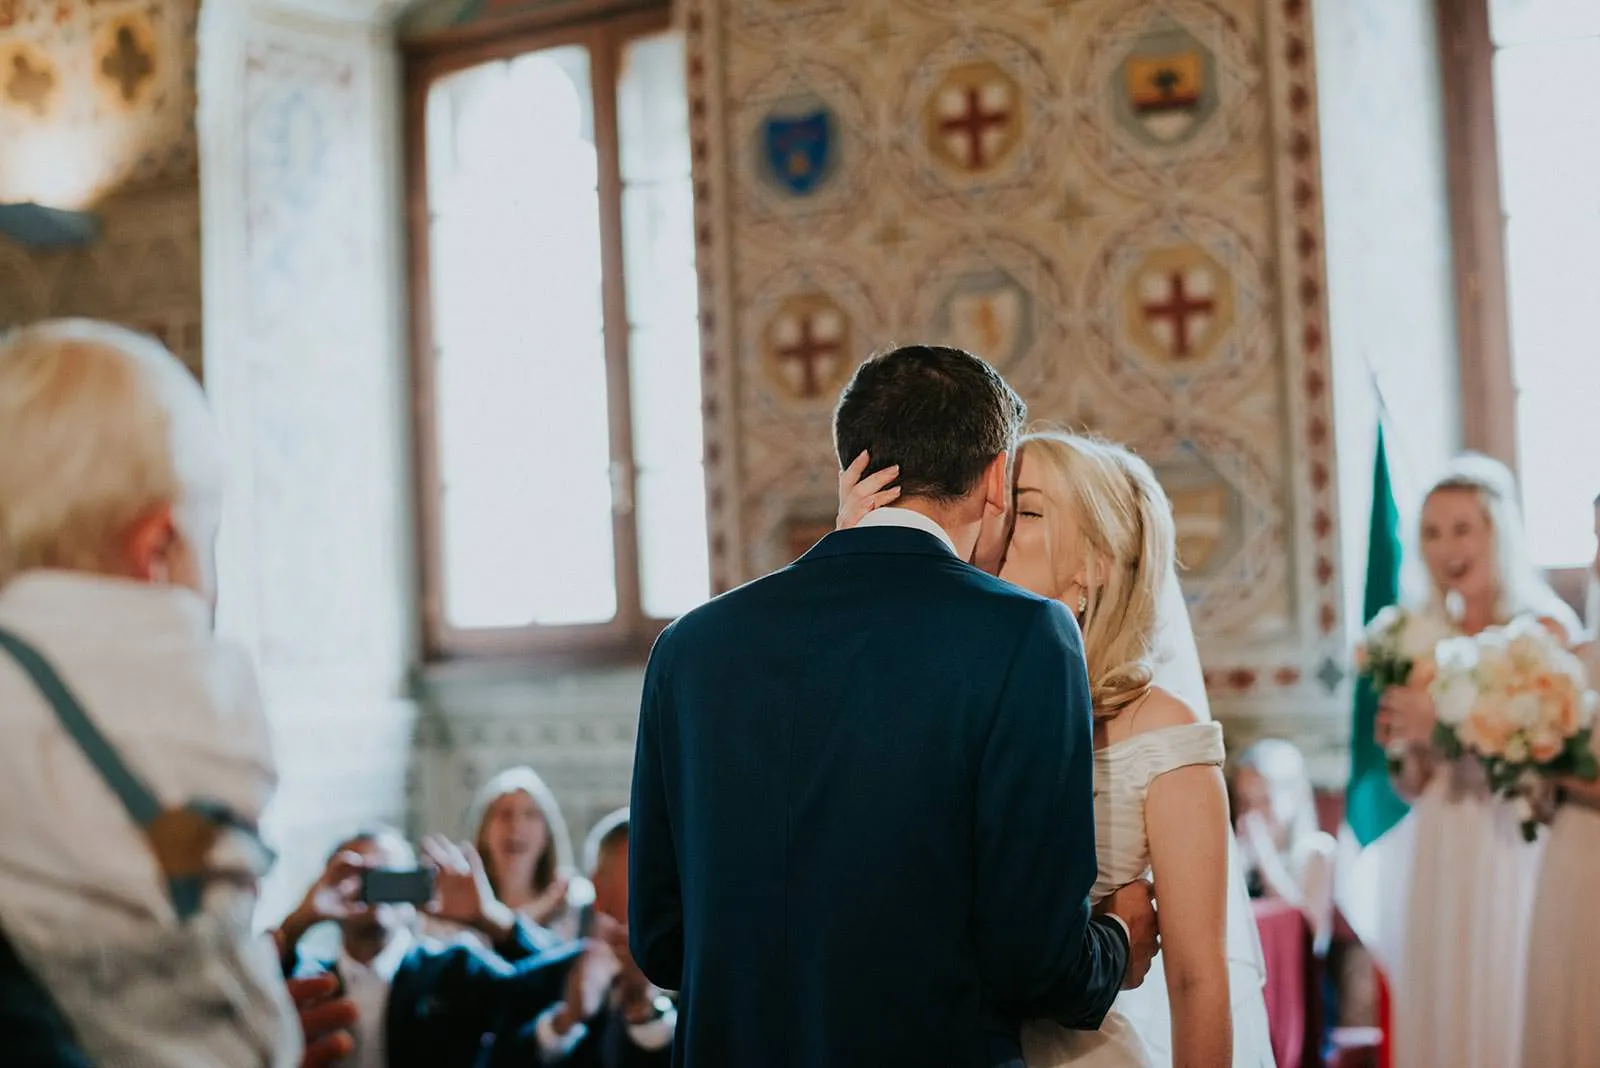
(1134,905)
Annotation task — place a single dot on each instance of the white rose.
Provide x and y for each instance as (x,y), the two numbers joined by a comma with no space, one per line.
(1517,752)
(1456,656)
(1421,635)
(1493,642)
(1586,708)
(1454,697)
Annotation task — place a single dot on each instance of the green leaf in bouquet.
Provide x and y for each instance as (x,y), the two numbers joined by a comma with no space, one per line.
(1446,741)
(1581,756)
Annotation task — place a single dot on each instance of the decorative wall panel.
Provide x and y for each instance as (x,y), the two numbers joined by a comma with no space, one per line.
(1115,202)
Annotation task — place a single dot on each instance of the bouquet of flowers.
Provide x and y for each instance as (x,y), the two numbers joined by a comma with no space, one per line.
(1395,644)
(1516,699)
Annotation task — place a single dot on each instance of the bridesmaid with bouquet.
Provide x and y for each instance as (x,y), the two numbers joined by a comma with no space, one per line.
(1459,878)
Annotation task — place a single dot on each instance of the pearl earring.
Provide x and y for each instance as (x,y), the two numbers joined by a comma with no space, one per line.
(1083,603)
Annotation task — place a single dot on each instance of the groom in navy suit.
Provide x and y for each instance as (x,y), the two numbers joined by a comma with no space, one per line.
(863,831)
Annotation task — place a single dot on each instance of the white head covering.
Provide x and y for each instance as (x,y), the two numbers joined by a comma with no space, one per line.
(523,779)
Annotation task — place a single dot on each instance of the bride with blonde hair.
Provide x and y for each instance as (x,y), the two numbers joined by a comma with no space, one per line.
(1094,530)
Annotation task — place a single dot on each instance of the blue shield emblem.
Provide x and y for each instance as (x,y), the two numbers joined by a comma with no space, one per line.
(799,150)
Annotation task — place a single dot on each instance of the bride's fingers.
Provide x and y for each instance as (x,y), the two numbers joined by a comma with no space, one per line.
(852,474)
(873,485)
(883,498)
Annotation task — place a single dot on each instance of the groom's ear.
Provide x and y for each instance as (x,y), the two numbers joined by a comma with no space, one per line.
(997,485)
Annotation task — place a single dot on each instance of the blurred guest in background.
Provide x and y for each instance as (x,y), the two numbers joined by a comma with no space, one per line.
(1563,1000)
(1286,855)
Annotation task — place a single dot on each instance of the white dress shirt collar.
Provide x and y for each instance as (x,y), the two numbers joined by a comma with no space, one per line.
(905,517)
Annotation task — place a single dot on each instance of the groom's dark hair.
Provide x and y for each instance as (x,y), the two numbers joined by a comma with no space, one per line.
(940,413)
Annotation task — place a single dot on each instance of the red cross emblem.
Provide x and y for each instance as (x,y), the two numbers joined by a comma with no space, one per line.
(807,345)
(974,117)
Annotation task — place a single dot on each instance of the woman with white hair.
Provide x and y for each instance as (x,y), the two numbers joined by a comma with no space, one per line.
(136,763)
(1456,887)
(1095,531)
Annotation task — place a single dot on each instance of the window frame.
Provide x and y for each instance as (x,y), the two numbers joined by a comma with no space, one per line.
(605,29)
(1478,255)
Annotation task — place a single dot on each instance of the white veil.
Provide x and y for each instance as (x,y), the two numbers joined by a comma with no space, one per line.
(1178,671)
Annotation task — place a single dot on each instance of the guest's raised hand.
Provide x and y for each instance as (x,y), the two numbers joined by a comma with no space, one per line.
(588,984)
(325,1019)
(548,905)
(631,981)
(461,890)
(336,895)
(858,495)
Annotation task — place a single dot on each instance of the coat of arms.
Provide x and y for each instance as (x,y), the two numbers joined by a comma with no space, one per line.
(799,150)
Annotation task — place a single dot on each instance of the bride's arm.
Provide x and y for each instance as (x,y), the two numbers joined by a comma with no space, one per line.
(1186,817)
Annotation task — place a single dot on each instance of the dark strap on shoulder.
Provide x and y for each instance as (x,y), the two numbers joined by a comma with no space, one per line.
(135,796)
(185,890)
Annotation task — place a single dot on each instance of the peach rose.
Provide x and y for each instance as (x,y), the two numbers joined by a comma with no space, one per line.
(1544,748)
(1486,732)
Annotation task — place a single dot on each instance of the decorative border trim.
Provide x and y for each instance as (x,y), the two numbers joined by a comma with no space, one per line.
(703,37)
(1313,489)
(1311,485)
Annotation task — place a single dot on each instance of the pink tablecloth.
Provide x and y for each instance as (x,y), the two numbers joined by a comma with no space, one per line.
(1286,943)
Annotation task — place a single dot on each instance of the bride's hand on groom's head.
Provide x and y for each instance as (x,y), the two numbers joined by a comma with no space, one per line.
(858,496)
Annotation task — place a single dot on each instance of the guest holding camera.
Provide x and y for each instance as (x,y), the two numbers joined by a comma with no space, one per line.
(418,1003)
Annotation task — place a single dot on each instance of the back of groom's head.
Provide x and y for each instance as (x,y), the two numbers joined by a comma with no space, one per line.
(940,413)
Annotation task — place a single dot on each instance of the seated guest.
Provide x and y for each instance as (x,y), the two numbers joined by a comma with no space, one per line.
(418,1003)
(1286,855)
(611,1016)
(137,760)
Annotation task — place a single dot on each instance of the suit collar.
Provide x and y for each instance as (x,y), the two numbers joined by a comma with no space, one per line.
(909,519)
(879,541)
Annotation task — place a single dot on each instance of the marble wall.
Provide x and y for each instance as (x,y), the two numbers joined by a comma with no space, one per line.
(307,371)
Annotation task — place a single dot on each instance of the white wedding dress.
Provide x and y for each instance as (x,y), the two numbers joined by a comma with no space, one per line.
(1137,1033)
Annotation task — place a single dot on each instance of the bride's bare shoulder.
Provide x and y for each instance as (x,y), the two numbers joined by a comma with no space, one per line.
(1158,710)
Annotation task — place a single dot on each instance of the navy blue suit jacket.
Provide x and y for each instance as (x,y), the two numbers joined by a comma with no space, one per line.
(449,1004)
(862,824)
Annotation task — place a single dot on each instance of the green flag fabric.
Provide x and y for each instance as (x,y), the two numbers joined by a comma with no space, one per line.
(1371,805)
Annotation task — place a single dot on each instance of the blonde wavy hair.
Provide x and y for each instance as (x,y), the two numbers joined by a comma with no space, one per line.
(1129,540)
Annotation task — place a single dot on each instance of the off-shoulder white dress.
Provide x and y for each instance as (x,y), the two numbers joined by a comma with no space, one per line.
(1137,1033)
